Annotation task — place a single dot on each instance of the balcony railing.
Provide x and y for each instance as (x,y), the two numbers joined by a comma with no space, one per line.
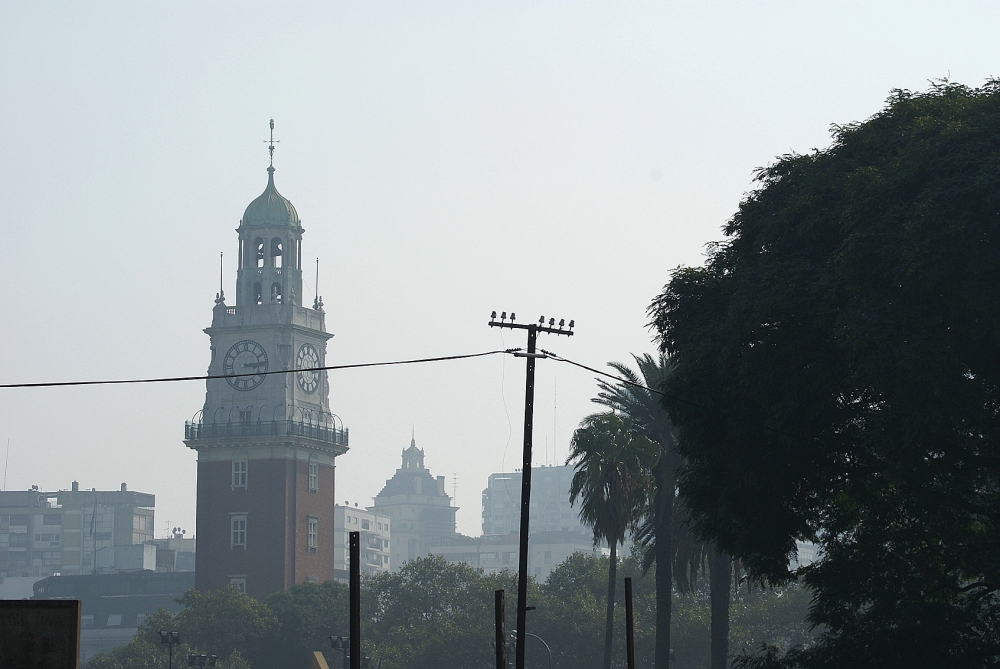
(274,428)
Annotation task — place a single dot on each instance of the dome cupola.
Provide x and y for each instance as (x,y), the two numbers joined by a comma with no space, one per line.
(271,209)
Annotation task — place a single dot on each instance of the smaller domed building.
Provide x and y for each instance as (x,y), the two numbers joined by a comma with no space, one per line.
(420,511)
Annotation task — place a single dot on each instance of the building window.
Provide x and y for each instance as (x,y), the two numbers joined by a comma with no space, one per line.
(365,524)
(239,473)
(313,477)
(115,620)
(239,582)
(313,532)
(239,530)
(52,519)
(86,622)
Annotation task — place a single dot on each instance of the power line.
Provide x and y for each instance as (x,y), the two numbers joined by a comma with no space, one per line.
(169,379)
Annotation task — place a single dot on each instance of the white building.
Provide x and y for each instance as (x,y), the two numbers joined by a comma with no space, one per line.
(75,532)
(374,529)
(494,553)
(550,507)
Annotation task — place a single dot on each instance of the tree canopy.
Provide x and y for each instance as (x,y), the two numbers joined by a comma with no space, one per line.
(836,379)
(432,614)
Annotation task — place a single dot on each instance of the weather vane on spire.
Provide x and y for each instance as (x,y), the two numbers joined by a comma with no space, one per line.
(271,142)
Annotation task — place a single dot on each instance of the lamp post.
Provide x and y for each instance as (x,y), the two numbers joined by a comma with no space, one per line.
(548,650)
(170,639)
(341,643)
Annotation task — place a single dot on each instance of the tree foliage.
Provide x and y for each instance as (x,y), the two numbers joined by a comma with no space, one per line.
(837,378)
(436,615)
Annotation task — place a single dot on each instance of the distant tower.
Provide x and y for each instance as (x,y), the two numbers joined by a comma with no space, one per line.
(266,442)
(420,511)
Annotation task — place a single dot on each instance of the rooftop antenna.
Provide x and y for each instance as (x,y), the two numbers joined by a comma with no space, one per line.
(5,461)
(454,489)
(271,142)
(222,293)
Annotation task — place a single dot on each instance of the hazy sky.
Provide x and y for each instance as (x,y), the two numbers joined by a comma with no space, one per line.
(446,160)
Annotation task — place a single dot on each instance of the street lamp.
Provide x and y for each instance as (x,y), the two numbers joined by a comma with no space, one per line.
(201,660)
(170,639)
(343,644)
(513,638)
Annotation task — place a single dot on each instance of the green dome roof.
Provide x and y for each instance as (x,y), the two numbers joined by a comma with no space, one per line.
(271,208)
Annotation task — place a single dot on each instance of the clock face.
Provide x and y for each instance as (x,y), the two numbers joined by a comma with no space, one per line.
(248,359)
(306,359)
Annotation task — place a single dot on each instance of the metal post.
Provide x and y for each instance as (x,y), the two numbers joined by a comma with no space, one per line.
(629,629)
(529,402)
(501,636)
(355,547)
(522,560)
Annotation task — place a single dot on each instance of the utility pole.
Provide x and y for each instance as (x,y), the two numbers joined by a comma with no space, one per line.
(529,401)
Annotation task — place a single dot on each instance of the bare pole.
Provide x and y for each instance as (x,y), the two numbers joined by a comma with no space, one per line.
(221,293)
(522,560)
(629,627)
(355,597)
(529,402)
(501,633)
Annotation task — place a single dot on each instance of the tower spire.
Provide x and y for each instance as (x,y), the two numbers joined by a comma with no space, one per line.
(220,297)
(270,148)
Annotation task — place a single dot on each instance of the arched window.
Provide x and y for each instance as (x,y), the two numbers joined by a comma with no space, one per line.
(276,293)
(258,245)
(258,298)
(276,252)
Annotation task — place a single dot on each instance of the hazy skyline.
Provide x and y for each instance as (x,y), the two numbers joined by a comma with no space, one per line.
(446,160)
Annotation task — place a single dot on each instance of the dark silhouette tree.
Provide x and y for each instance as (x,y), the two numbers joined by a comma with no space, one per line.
(837,358)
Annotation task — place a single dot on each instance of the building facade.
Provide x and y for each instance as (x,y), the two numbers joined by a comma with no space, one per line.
(114,606)
(419,510)
(75,532)
(266,438)
(550,507)
(494,553)
(373,527)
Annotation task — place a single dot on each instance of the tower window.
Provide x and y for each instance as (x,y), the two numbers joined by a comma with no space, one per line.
(313,532)
(258,245)
(239,473)
(276,293)
(238,530)
(258,297)
(276,252)
(239,582)
(313,477)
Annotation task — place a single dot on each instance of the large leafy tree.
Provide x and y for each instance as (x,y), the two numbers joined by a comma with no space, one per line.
(612,483)
(837,379)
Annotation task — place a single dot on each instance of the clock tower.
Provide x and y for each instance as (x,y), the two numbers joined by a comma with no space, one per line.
(266,438)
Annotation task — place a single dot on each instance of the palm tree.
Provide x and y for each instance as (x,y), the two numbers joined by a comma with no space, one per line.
(677,554)
(649,418)
(612,482)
